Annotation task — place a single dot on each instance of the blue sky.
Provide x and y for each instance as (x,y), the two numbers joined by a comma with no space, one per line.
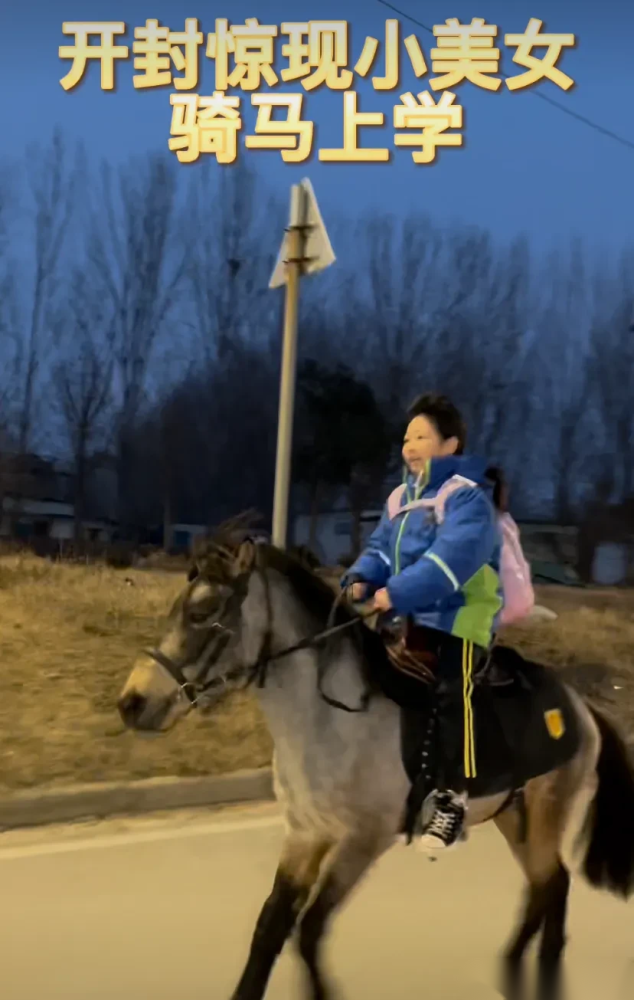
(525,166)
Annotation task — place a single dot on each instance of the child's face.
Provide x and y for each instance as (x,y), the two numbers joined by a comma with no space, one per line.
(423,442)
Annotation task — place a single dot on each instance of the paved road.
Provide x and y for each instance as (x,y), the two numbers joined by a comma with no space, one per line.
(163,907)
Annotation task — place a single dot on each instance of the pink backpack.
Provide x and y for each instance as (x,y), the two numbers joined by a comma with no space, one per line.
(515,572)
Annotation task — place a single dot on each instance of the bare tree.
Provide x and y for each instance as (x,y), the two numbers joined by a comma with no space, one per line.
(612,386)
(218,414)
(205,446)
(391,301)
(448,311)
(8,333)
(556,379)
(489,360)
(83,381)
(344,441)
(9,320)
(234,238)
(235,229)
(54,183)
(139,254)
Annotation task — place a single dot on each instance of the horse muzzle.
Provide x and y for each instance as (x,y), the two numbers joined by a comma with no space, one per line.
(145,714)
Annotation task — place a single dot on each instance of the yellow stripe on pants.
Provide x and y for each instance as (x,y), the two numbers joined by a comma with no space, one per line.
(467,689)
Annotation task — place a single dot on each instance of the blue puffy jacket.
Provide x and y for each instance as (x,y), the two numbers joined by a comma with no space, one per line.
(444,576)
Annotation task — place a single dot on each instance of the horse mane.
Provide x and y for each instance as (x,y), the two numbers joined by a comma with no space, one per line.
(301,568)
(299,565)
(312,590)
(213,551)
(227,535)
(318,598)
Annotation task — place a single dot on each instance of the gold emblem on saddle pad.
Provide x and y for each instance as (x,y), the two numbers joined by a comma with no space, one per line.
(555,723)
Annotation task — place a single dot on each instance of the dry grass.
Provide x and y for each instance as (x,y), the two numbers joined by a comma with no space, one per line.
(592,641)
(69,635)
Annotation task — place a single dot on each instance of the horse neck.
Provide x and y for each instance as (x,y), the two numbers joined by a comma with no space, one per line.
(290,697)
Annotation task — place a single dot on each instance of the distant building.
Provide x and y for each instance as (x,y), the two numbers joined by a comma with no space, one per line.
(550,548)
(36,501)
(332,541)
(332,528)
(35,477)
(606,544)
(183,536)
(101,488)
(27,519)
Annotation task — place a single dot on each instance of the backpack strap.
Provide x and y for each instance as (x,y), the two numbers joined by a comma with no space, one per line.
(394,501)
(451,486)
(437,503)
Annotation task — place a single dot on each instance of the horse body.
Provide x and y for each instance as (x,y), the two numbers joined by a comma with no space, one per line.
(341,782)
(334,771)
(344,771)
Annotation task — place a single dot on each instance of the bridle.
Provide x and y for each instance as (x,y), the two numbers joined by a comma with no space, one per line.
(195,690)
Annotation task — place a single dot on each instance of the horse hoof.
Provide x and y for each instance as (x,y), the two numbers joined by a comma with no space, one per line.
(512,985)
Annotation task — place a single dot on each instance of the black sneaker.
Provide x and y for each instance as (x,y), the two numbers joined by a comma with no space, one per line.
(446,826)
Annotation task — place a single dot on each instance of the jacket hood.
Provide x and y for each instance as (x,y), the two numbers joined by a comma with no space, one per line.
(439,470)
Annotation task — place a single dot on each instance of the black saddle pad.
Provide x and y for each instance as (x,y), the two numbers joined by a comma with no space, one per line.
(524,720)
(525,724)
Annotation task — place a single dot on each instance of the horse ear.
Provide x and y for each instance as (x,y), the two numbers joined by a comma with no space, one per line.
(193,573)
(245,558)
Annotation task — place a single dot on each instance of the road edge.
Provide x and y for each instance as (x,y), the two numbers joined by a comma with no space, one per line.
(78,802)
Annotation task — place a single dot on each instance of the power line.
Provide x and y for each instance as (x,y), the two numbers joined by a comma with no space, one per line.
(536,93)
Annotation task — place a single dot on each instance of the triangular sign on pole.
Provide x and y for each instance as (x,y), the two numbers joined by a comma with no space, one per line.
(318,252)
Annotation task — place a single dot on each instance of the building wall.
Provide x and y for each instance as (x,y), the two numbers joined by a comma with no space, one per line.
(37,509)
(184,535)
(611,563)
(49,519)
(61,530)
(101,493)
(334,534)
(541,542)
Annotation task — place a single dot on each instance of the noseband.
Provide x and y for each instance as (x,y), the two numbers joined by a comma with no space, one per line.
(195,689)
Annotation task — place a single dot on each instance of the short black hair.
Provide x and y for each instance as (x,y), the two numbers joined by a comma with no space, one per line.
(442,413)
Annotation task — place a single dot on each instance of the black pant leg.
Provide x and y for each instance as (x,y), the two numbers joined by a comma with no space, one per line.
(456,731)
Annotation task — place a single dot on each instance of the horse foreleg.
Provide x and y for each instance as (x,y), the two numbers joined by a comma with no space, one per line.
(296,875)
(350,860)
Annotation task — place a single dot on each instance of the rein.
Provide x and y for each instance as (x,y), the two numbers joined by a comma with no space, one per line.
(260,670)
(194,690)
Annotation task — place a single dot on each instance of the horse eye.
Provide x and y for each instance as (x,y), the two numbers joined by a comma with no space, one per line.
(199,617)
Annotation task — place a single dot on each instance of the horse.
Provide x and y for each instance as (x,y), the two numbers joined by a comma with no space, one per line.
(249,614)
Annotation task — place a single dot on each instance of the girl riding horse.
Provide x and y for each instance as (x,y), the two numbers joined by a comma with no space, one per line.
(444,581)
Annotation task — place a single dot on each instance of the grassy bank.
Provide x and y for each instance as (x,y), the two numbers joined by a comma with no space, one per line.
(68,636)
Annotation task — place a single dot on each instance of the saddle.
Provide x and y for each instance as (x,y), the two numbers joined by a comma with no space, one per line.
(525,722)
